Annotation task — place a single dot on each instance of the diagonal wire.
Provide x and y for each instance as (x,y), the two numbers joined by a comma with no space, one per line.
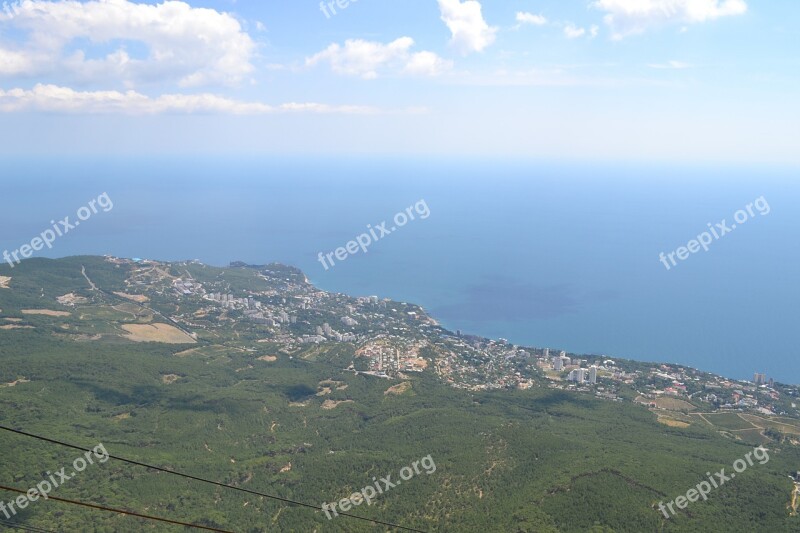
(211,482)
(120,511)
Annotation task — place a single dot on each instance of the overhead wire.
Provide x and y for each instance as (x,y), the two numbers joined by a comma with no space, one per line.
(209,481)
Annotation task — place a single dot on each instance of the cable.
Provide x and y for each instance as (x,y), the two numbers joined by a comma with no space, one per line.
(120,511)
(202,480)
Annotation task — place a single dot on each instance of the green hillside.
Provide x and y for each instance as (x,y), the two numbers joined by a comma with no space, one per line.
(296,423)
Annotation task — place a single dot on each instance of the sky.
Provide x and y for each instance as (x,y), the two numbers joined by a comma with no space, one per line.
(611,80)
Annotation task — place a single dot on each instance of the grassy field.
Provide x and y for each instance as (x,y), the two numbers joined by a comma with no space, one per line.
(730,421)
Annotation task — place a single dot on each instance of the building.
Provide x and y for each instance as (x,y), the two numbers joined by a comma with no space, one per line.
(759,379)
(578,375)
(593,374)
(558,364)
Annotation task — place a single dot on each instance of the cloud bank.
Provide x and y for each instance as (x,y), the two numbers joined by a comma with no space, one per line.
(94,41)
(630,17)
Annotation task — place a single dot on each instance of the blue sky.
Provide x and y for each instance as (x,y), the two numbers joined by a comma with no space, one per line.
(620,80)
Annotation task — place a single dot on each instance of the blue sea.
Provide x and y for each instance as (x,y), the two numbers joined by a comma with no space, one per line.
(542,253)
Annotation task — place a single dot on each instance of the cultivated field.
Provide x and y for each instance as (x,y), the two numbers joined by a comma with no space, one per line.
(156,333)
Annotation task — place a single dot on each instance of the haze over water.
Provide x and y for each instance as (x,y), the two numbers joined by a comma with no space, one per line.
(540,254)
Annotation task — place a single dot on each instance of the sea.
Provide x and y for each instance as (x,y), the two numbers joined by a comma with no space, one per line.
(541,253)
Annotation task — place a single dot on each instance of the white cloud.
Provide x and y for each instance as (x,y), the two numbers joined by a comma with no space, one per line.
(87,42)
(573,32)
(13,63)
(628,17)
(53,98)
(367,59)
(674,65)
(530,18)
(470,32)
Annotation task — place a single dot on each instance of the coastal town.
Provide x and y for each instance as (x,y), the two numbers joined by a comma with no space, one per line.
(393,340)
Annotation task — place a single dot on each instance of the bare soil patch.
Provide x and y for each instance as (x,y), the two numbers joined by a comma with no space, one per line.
(157,333)
(138,298)
(15,383)
(331,404)
(398,389)
(671,422)
(72,299)
(46,312)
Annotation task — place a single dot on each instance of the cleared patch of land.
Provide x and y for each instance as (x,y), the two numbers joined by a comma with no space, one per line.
(169,379)
(671,422)
(15,326)
(673,404)
(761,422)
(14,383)
(268,358)
(730,421)
(139,298)
(751,436)
(46,312)
(72,299)
(331,404)
(157,333)
(398,389)
(4,282)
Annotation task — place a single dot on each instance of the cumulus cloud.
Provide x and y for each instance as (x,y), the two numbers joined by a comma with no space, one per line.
(90,41)
(530,18)
(573,32)
(367,59)
(53,98)
(470,32)
(628,17)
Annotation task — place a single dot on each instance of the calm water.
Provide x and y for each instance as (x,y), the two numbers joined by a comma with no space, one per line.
(541,254)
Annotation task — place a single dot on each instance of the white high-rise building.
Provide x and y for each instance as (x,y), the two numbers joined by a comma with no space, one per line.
(558,364)
(593,374)
(578,375)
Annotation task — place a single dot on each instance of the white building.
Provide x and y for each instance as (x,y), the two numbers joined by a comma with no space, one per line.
(578,375)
